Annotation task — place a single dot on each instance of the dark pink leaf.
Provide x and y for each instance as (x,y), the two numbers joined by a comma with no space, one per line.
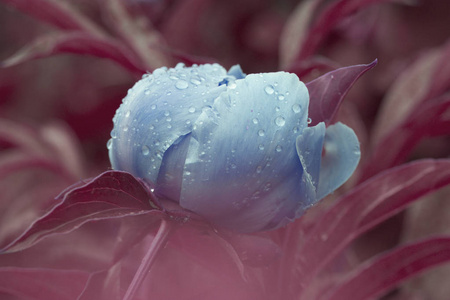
(382,273)
(57,13)
(327,92)
(426,120)
(110,195)
(366,206)
(77,43)
(141,37)
(41,284)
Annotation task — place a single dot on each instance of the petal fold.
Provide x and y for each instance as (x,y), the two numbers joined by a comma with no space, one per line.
(341,158)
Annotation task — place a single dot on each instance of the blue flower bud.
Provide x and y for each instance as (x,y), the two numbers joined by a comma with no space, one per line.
(233,148)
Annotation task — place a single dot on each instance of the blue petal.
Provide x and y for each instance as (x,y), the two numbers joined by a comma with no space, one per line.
(242,170)
(309,149)
(236,71)
(157,111)
(341,157)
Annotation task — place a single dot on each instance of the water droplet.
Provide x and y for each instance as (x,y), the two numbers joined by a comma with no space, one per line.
(125,129)
(231,85)
(109,144)
(295,129)
(188,122)
(233,150)
(267,187)
(147,92)
(181,84)
(153,106)
(169,126)
(261,147)
(168,119)
(233,166)
(296,108)
(173,77)
(191,109)
(166,113)
(255,121)
(280,121)
(145,150)
(195,81)
(309,121)
(261,132)
(279,148)
(259,169)
(127,114)
(281,97)
(277,108)
(113,134)
(151,127)
(269,90)
(169,93)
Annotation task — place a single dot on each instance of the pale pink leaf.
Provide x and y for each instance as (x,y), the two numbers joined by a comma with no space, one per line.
(110,195)
(38,284)
(138,33)
(426,120)
(57,13)
(379,275)
(77,43)
(317,32)
(425,79)
(366,206)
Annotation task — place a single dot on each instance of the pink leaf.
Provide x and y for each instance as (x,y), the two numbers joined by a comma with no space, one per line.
(41,284)
(425,79)
(366,206)
(380,274)
(426,120)
(57,13)
(327,92)
(312,36)
(78,43)
(141,37)
(110,195)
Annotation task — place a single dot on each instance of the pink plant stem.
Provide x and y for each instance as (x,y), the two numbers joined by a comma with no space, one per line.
(158,243)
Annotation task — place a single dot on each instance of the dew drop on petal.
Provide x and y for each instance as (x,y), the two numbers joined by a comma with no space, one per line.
(113,134)
(109,144)
(127,114)
(261,147)
(255,121)
(145,150)
(181,84)
(280,121)
(259,169)
(191,109)
(153,106)
(261,132)
(296,108)
(309,121)
(269,90)
(281,97)
(278,148)
(125,129)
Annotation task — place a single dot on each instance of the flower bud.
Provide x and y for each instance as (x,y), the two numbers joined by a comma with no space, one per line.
(233,148)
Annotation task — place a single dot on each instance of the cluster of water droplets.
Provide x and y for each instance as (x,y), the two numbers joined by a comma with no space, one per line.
(159,109)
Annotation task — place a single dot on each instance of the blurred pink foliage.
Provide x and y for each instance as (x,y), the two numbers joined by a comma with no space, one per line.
(67,232)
